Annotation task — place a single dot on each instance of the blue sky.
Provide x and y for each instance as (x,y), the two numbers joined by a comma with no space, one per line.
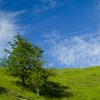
(67,30)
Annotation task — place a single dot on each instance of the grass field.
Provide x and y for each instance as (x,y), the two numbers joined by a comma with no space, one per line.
(68,84)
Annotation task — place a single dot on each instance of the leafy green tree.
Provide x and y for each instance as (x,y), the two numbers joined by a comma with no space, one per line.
(22,59)
(3,62)
(25,61)
(39,78)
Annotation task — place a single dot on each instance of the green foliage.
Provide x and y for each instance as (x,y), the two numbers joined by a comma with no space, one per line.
(3,62)
(23,58)
(39,79)
(25,62)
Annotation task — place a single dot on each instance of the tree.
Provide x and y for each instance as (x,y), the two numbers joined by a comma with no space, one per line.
(25,61)
(22,59)
(39,78)
(3,62)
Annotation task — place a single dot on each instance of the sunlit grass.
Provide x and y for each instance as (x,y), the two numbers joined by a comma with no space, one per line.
(82,84)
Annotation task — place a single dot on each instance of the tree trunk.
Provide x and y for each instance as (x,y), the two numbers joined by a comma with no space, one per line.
(37,92)
(23,81)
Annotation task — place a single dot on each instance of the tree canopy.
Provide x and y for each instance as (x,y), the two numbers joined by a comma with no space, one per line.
(25,62)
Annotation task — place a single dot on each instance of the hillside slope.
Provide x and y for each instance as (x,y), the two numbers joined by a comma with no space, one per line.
(74,84)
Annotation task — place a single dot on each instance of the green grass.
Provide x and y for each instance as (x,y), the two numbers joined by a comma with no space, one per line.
(79,84)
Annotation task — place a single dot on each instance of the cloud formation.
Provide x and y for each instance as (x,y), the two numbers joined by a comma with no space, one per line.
(77,51)
(8,28)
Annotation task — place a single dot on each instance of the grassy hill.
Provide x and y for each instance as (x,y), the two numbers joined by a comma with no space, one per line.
(68,84)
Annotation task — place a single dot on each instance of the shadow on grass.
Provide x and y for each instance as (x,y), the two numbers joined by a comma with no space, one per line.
(3,90)
(50,90)
(55,90)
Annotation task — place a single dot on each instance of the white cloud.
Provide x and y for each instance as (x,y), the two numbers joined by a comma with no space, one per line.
(77,51)
(8,28)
